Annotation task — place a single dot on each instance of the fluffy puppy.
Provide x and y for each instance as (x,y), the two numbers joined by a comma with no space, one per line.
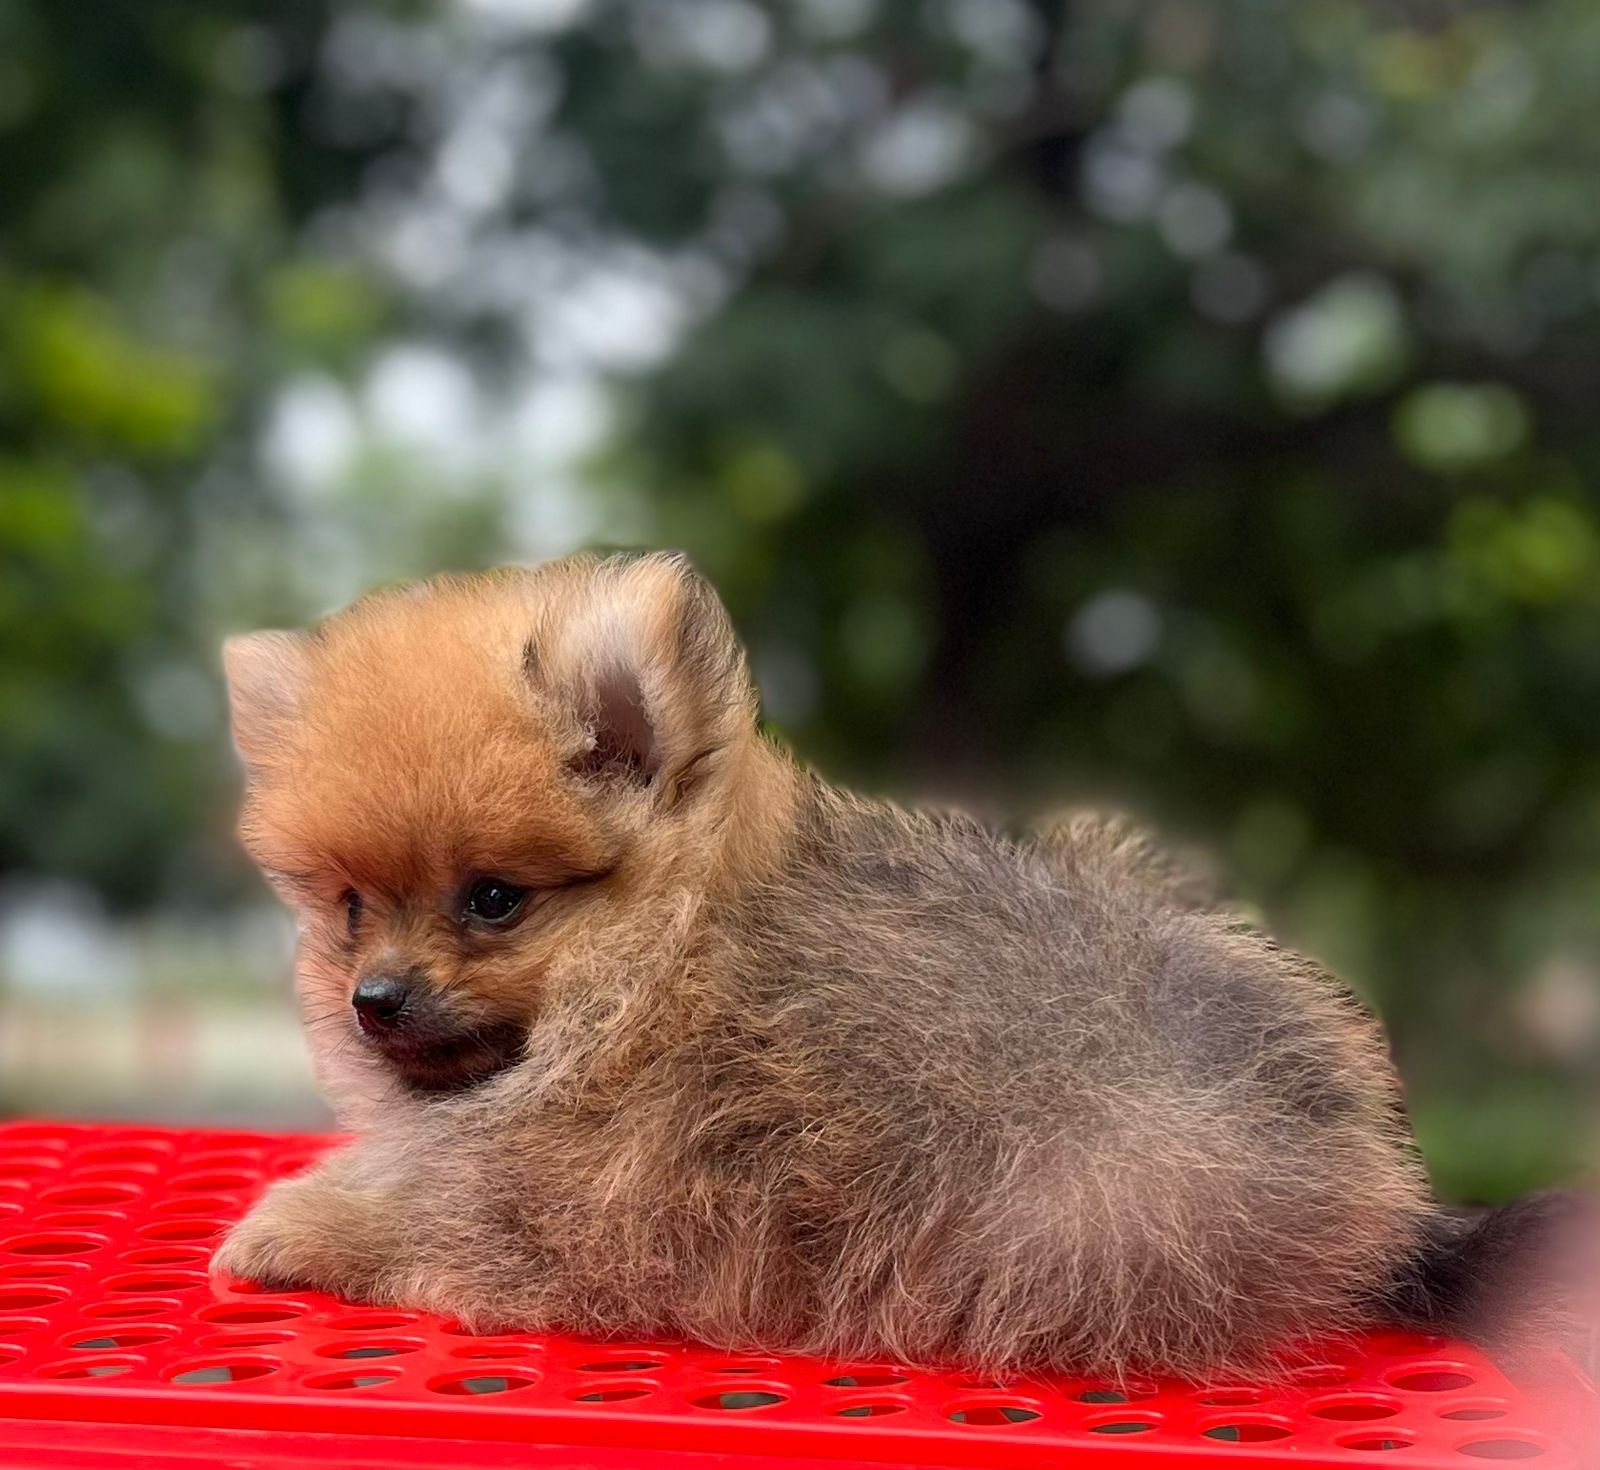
(643,1029)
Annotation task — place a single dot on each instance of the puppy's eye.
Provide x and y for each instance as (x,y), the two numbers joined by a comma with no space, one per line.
(494,900)
(352,910)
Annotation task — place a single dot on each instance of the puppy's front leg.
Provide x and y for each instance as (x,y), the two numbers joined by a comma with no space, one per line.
(338,1227)
(383,1225)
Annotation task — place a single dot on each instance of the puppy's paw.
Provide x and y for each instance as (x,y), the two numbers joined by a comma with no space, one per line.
(305,1232)
(256,1250)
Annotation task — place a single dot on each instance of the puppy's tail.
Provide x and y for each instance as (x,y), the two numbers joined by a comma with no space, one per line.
(1525,1271)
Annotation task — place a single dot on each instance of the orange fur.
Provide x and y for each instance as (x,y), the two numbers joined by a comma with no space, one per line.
(762,1062)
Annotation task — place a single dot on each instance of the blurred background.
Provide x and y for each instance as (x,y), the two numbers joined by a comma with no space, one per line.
(1188,404)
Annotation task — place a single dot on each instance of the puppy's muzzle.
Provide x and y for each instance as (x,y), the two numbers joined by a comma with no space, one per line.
(431,1045)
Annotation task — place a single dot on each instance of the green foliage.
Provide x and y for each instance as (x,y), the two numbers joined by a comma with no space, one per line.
(150,286)
(88,380)
(1189,404)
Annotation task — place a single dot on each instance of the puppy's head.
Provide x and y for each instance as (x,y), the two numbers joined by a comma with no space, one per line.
(456,783)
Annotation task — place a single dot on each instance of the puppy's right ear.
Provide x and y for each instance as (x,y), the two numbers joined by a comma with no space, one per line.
(266,680)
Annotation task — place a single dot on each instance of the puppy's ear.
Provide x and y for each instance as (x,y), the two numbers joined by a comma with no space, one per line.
(266,679)
(640,655)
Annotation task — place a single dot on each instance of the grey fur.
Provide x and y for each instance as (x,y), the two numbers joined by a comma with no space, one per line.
(908,1089)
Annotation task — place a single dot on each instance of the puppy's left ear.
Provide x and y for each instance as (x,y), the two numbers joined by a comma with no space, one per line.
(641,656)
(266,679)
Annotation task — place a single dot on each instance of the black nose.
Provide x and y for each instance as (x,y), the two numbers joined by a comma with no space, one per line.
(380,1001)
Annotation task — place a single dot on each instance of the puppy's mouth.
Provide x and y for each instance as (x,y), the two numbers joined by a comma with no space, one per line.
(427,1060)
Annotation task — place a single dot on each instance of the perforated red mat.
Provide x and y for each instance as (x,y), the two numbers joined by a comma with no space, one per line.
(115,1347)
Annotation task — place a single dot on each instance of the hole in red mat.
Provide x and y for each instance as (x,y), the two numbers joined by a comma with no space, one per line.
(371,1321)
(248,1159)
(251,1313)
(1230,1397)
(41,1270)
(130,1337)
(864,1380)
(1433,1380)
(617,1394)
(29,1166)
(869,1411)
(341,1382)
(1248,1432)
(89,1194)
(739,1398)
(144,1152)
(1403,1344)
(1466,1411)
(1106,1394)
(1353,1408)
(61,1243)
(1503,1449)
(508,1381)
(495,1353)
(26,1298)
(237,1371)
(155,1281)
(292,1163)
(619,1365)
(393,1349)
(233,1342)
(992,1414)
(80,1219)
(184,1230)
(14,1326)
(1123,1426)
(39,1135)
(166,1255)
(133,1308)
(90,1368)
(142,1176)
(1377,1442)
(9,1354)
(1321,1375)
(211,1180)
(199,1204)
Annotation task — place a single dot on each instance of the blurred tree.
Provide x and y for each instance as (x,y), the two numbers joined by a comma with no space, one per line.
(1189,402)
(156,170)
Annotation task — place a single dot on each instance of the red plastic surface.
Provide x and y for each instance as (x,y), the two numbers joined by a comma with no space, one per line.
(116,1349)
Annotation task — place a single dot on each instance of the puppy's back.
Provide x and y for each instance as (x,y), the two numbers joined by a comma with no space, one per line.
(1055,1109)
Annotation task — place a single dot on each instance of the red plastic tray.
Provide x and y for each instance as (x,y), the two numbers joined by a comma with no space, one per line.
(116,1348)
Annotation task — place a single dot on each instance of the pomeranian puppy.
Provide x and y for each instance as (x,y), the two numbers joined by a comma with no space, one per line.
(643,1029)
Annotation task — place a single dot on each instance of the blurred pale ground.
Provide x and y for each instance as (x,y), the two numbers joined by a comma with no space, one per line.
(1189,405)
